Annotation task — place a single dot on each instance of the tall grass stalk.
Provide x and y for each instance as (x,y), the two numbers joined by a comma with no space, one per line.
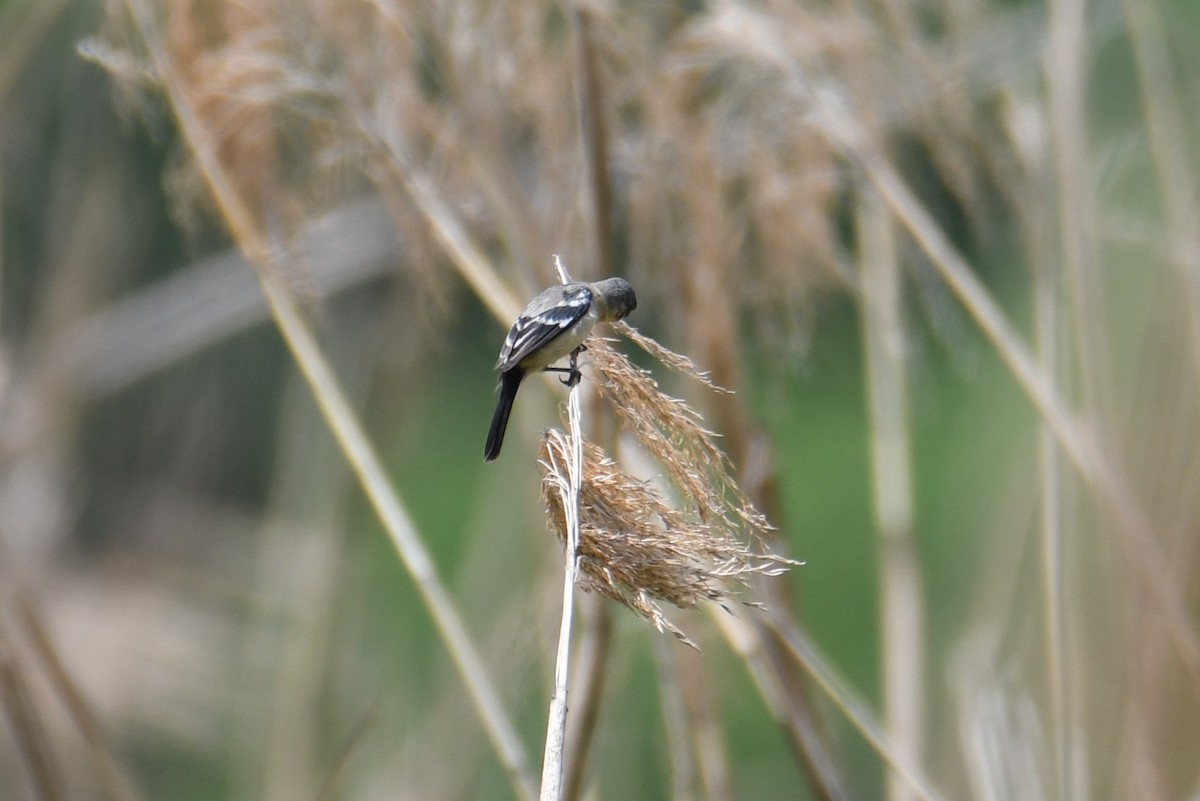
(1066,59)
(1052,533)
(901,605)
(556,724)
(1056,489)
(1166,130)
(588,682)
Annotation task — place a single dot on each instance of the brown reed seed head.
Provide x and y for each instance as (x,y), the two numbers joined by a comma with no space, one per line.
(671,431)
(636,548)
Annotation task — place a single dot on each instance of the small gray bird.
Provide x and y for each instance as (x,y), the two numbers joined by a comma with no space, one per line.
(553,325)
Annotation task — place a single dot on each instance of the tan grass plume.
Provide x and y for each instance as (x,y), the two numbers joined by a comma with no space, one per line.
(635,547)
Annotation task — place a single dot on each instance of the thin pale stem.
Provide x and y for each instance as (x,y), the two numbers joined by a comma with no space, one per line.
(1065,76)
(594,133)
(1166,130)
(563,275)
(901,611)
(1046,315)
(556,725)
(587,687)
(1055,486)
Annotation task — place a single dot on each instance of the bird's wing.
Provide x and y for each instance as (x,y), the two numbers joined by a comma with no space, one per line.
(546,317)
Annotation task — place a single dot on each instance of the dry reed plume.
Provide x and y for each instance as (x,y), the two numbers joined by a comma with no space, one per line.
(635,547)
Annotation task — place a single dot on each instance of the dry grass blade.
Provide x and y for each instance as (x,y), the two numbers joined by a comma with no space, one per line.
(637,549)
(671,431)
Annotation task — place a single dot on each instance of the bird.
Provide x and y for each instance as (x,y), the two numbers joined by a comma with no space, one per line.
(553,325)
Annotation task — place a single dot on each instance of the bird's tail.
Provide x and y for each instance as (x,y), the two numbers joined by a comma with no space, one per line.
(510,382)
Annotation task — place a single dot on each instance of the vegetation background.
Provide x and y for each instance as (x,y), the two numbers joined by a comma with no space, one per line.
(947,252)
